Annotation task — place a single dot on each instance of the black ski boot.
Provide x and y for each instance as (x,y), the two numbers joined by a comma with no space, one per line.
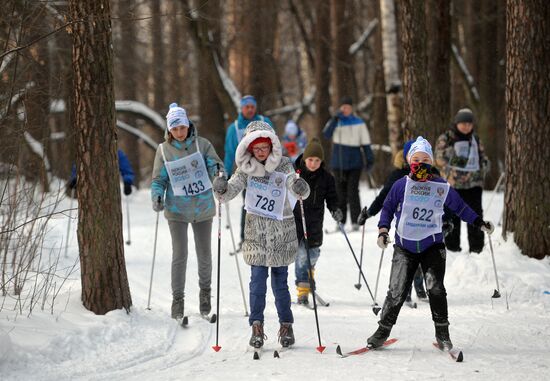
(177,307)
(379,337)
(286,335)
(258,337)
(204,301)
(442,336)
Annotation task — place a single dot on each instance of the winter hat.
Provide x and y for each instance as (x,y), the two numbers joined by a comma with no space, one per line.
(406,148)
(248,100)
(176,116)
(314,149)
(291,128)
(258,141)
(420,145)
(346,101)
(464,115)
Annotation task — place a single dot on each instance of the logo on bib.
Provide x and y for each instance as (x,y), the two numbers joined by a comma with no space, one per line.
(278,181)
(440,191)
(275,193)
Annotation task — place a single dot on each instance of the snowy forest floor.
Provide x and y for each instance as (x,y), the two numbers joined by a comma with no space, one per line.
(502,339)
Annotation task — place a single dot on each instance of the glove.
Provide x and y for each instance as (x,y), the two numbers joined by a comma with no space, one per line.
(383,240)
(363,216)
(300,187)
(71,184)
(447,227)
(485,226)
(337,215)
(220,185)
(158,205)
(127,189)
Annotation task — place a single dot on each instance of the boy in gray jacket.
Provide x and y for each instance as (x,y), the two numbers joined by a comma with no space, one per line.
(182,187)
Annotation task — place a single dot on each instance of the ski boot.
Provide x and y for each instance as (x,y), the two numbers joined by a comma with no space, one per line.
(303,292)
(204,301)
(379,337)
(442,336)
(258,336)
(286,335)
(177,307)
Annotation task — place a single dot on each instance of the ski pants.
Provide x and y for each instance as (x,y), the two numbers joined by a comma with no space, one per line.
(472,197)
(258,291)
(347,186)
(404,265)
(202,232)
(301,266)
(418,283)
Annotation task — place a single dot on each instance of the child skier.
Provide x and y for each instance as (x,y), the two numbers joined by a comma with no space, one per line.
(323,188)
(184,164)
(417,202)
(270,230)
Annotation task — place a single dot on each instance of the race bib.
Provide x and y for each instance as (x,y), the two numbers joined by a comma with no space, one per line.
(265,196)
(466,156)
(188,175)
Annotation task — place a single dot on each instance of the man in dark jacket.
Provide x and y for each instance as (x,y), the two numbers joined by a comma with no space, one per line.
(322,189)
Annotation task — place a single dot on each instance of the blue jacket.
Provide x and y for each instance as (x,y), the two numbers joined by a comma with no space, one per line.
(297,145)
(232,139)
(349,135)
(124,167)
(393,205)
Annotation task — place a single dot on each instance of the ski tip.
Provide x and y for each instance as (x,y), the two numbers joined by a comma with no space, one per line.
(213,318)
(256,356)
(216,348)
(321,349)
(276,354)
(339,350)
(496,294)
(460,357)
(184,321)
(376,309)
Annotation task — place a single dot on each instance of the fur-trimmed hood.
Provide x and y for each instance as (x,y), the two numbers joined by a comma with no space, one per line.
(247,162)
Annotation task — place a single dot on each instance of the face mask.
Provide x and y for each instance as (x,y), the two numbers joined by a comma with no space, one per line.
(421,171)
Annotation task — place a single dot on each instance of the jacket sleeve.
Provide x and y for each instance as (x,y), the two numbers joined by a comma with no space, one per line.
(369,156)
(235,185)
(160,177)
(289,169)
(125,168)
(455,203)
(442,155)
(330,126)
(390,205)
(378,202)
(230,147)
(211,159)
(484,163)
(332,196)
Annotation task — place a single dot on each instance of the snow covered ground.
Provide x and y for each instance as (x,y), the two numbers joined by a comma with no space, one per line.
(502,339)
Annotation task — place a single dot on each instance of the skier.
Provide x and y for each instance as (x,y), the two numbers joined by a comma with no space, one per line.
(402,169)
(181,187)
(294,140)
(417,202)
(234,135)
(270,231)
(460,156)
(322,185)
(351,142)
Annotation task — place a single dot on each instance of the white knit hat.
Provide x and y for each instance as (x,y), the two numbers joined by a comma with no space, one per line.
(177,116)
(291,128)
(420,145)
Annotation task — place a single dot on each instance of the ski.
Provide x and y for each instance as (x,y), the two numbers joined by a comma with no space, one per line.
(454,353)
(320,300)
(277,352)
(184,321)
(210,318)
(257,353)
(360,351)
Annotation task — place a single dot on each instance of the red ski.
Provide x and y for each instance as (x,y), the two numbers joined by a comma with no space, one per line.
(454,353)
(360,351)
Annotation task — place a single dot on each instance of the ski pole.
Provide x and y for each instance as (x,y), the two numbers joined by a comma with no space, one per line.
(496,294)
(129,241)
(358,285)
(154,254)
(236,257)
(69,222)
(374,309)
(377,278)
(320,348)
(217,347)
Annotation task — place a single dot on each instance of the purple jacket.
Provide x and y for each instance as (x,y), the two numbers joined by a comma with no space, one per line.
(393,205)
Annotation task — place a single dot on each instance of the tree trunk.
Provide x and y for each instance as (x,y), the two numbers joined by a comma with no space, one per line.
(342,31)
(159,103)
(391,74)
(103,271)
(322,69)
(527,210)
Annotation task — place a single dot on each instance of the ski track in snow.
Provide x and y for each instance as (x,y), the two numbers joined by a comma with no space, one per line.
(498,343)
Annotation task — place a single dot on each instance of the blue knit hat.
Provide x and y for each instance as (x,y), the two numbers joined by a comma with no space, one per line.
(248,100)
(406,148)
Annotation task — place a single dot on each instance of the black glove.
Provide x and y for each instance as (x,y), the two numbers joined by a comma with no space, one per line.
(300,187)
(127,189)
(72,184)
(220,185)
(447,227)
(485,226)
(158,205)
(337,215)
(383,240)
(363,216)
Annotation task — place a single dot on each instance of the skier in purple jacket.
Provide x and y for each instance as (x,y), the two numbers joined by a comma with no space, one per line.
(417,202)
